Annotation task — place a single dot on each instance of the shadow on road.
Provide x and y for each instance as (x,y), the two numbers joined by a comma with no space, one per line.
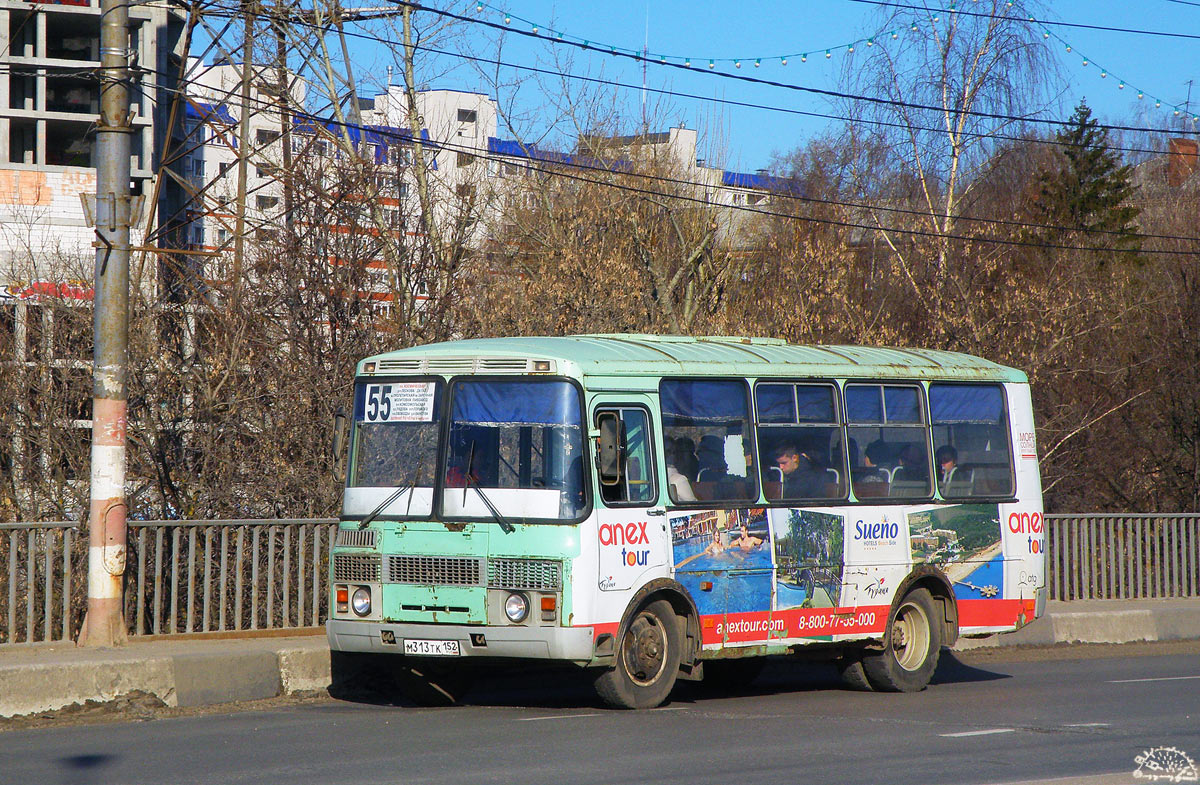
(952,670)
(387,682)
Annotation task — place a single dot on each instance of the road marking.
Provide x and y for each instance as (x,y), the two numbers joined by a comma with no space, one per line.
(557,717)
(1159,678)
(1086,725)
(988,732)
(1090,779)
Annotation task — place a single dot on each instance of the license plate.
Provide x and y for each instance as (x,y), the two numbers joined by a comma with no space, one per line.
(432,648)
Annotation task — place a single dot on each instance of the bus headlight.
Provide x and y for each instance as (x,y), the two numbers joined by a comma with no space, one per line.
(361,601)
(516,607)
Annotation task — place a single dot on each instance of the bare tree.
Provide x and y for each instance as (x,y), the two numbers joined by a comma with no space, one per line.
(943,94)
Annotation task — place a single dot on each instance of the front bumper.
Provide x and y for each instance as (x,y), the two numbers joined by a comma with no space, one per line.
(539,643)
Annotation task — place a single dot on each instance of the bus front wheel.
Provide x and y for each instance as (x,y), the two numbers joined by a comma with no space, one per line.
(910,646)
(648,658)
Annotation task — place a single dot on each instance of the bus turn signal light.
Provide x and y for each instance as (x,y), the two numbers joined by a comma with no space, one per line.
(343,599)
(549,606)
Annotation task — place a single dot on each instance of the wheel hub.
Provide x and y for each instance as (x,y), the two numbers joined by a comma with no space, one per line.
(647,653)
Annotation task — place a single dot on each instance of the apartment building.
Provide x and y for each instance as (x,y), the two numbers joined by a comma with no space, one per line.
(49,105)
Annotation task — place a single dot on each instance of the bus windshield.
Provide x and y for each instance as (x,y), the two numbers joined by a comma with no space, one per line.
(396,428)
(514,448)
(515,445)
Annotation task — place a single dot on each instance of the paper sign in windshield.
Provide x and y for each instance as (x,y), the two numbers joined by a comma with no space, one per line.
(399,402)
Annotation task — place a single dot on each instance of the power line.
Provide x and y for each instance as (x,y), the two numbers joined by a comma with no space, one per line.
(1031,20)
(731,102)
(886,102)
(553,169)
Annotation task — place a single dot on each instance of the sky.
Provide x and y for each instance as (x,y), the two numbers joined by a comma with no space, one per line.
(745,138)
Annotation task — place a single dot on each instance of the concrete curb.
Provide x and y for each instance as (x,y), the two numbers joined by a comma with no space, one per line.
(38,678)
(205,671)
(1102,621)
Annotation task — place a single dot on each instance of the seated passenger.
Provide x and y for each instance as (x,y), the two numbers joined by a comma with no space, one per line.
(803,477)
(680,488)
(870,472)
(912,466)
(688,466)
(946,459)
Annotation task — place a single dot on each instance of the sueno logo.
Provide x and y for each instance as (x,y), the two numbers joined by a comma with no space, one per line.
(1030,524)
(614,534)
(883,530)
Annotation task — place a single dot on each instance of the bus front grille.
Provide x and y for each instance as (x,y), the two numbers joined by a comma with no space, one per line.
(434,570)
(356,538)
(536,574)
(353,568)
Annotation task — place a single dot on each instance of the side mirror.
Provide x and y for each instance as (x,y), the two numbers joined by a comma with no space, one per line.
(339,434)
(608,449)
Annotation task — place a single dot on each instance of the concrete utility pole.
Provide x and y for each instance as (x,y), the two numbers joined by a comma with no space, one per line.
(104,624)
(249,9)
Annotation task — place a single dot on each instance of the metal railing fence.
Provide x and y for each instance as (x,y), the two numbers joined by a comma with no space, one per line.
(210,576)
(1123,557)
(180,577)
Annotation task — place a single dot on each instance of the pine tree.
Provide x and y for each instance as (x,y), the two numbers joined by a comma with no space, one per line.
(1086,194)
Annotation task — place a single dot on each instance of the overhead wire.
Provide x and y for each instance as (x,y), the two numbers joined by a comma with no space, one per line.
(886,102)
(954,9)
(743,104)
(554,168)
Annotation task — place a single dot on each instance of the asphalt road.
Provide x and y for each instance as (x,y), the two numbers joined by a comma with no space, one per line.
(990,717)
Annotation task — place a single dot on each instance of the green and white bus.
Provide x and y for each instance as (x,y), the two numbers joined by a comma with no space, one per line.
(658,508)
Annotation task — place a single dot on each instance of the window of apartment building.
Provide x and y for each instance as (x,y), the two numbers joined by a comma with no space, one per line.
(222,236)
(265,136)
(266,202)
(368,151)
(465,191)
(399,156)
(467,118)
(464,159)
(224,167)
(198,166)
(756,198)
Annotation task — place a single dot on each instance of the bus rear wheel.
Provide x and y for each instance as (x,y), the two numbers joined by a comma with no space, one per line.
(850,666)
(648,657)
(911,646)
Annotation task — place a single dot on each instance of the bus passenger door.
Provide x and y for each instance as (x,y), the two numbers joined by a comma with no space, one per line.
(632,536)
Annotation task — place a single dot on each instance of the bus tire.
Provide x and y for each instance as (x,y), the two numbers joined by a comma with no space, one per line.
(647,661)
(911,646)
(854,676)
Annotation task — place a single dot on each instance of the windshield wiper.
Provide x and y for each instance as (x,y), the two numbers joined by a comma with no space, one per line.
(505,526)
(394,497)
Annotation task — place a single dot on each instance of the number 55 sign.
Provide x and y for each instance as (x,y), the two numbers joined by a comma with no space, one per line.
(399,402)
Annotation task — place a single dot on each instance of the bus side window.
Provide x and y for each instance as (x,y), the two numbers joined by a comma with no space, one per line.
(637,484)
(970,439)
